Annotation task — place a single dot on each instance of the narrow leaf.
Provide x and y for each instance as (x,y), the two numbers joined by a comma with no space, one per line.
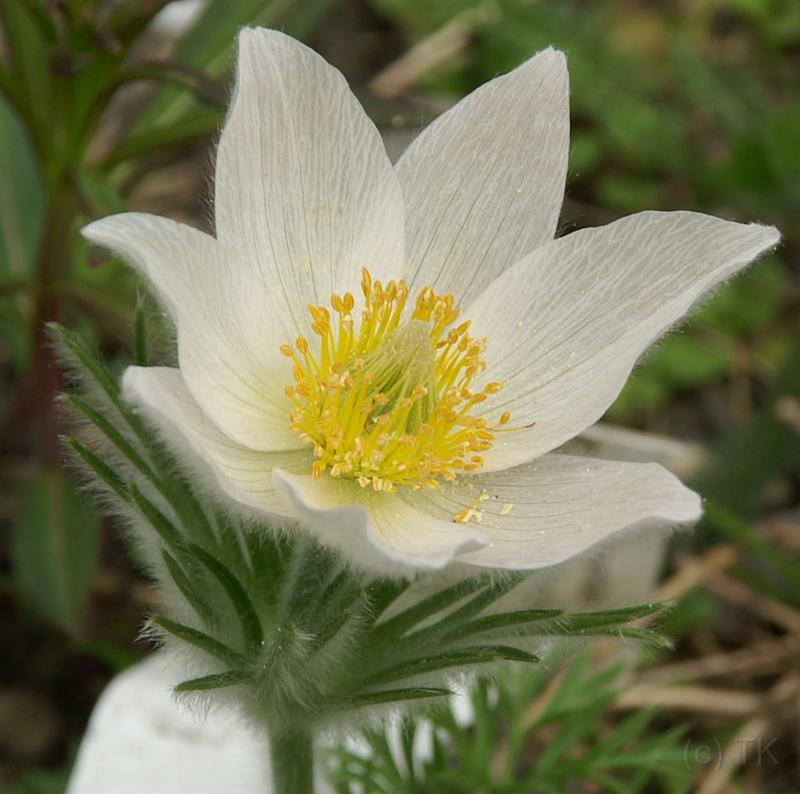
(185,585)
(466,611)
(611,616)
(504,620)
(199,125)
(166,529)
(479,654)
(379,595)
(408,618)
(100,468)
(140,328)
(305,578)
(54,549)
(81,353)
(21,198)
(397,695)
(128,19)
(336,623)
(28,56)
(203,46)
(170,484)
(200,640)
(243,606)
(267,553)
(215,681)
(112,434)
(645,636)
(485,598)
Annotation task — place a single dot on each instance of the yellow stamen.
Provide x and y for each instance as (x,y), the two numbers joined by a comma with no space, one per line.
(387,401)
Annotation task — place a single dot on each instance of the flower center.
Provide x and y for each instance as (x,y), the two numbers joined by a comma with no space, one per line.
(388,402)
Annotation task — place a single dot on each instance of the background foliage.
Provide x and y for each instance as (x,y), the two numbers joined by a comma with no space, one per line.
(674,105)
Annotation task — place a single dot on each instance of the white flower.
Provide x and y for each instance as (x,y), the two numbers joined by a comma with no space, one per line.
(414,435)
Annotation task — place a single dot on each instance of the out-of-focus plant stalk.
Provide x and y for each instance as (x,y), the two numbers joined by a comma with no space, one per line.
(46,83)
(52,262)
(292,756)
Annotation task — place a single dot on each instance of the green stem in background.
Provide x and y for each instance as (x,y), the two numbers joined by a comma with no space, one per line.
(54,256)
(292,755)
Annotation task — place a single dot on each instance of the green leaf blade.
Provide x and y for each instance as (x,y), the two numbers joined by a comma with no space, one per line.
(199,640)
(55,546)
(397,695)
(113,480)
(249,621)
(504,620)
(457,658)
(214,681)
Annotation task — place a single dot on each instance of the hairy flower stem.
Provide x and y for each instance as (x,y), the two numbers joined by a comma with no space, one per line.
(292,753)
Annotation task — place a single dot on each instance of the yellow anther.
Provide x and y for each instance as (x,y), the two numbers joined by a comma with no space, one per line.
(386,401)
(425,303)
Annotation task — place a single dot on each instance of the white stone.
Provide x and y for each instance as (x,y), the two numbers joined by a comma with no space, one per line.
(140,740)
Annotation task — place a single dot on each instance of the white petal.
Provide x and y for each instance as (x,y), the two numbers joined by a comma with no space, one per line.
(243,475)
(182,264)
(554,508)
(228,342)
(377,531)
(566,325)
(303,182)
(484,183)
(621,571)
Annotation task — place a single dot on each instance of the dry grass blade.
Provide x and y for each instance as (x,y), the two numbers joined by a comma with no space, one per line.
(694,572)
(700,699)
(749,738)
(741,595)
(766,658)
(443,45)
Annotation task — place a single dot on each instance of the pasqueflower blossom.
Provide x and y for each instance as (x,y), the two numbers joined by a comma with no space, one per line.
(389,357)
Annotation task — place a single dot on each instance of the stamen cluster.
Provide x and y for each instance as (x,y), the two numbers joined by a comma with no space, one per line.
(388,403)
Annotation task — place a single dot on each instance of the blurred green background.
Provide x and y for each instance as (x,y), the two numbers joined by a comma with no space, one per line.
(106,106)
